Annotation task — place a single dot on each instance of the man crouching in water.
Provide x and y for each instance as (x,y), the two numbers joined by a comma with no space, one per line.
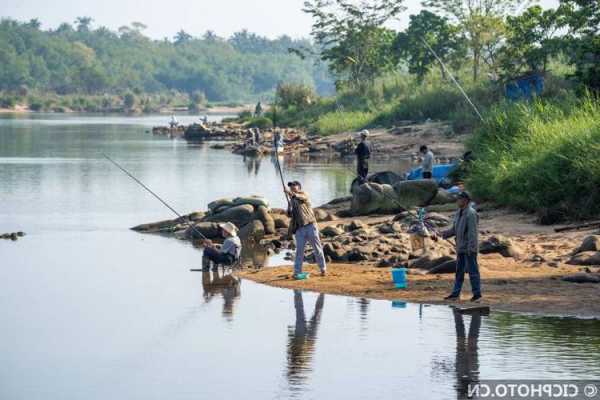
(303,226)
(228,253)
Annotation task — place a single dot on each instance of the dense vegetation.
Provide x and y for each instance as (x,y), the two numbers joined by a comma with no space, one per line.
(84,63)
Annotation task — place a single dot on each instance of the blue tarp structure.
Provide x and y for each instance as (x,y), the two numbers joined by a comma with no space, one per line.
(439,173)
(525,87)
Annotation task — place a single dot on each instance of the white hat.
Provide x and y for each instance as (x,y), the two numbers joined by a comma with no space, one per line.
(229,228)
(364,133)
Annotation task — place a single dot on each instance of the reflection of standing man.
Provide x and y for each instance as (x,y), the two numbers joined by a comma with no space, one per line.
(467,357)
(363,153)
(302,339)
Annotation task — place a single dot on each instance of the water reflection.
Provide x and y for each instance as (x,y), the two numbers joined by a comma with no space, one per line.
(217,283)
(252,164)
(302,338)
(467,353)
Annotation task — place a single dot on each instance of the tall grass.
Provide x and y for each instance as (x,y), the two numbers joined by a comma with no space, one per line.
(542,157)
(348,121)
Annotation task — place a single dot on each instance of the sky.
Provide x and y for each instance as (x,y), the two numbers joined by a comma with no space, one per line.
(164,18)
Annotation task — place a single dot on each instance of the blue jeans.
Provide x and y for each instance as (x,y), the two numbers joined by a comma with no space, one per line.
(467,262)
(308,233)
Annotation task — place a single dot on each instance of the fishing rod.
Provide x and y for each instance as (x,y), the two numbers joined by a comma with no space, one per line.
(157,196)
(278,165)
(453,79)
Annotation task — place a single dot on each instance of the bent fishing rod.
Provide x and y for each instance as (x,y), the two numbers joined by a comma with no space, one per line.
(184,219)
(278,165)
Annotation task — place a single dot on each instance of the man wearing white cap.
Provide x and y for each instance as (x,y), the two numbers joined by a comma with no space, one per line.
(229,251)
(363,153)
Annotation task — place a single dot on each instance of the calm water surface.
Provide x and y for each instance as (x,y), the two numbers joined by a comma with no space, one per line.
(91,310)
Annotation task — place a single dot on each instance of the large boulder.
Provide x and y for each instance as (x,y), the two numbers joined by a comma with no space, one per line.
(213,205)
(238,215)
(320,214)
(585,258)
(443,197)
(282,221)
(209,230)
(416,193)
(582,277)
(503,245)
(254,230)
(331,231)
(430,260)
(590,243)
(252,200)
(373,197)
(262,214)
(335,252)
(448,267)
(382,178)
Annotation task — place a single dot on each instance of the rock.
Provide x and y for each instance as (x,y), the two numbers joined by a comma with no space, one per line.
(384,263)
(20,234)
(382,178)
(417,193)
(219,203)
(196,216)
(373,197)
(238,215)
(262,214)
(320,214)
(537,258)
(252,200)
(386,228)
(430,260)
(501,244)
(585,258)
(336,254)
(207,229)
(282,221)
(590,243)
(582,278)
(358,254)
(356,224)
(447,267)
(254,230)
(167,225)
(437,220)
(331,231)
(443,197)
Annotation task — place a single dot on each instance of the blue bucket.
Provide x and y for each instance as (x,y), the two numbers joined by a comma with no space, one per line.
(399,277)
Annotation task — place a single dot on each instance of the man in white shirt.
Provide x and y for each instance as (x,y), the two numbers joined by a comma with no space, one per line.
(228,253)
(427,164)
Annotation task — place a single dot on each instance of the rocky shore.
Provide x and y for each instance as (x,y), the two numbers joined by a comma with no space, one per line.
(524,266)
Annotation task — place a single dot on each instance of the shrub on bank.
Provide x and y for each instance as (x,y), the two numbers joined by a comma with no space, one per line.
(335,122)
(260,122)
(541,157)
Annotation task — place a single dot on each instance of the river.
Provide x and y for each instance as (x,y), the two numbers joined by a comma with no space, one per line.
(91,310)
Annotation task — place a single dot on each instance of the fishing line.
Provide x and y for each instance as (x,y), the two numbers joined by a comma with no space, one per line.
(155,195)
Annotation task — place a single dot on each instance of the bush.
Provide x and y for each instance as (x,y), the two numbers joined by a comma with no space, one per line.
(541,157)
(8,102)
(336,122)
(36,105)
(295,95)
(260,122)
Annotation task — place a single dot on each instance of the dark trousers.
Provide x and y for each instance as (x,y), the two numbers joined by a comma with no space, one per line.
(467,262)
(426,175)
(362,169)
(217,257)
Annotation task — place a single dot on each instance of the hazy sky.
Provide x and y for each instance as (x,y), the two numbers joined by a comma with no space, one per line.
(165,17)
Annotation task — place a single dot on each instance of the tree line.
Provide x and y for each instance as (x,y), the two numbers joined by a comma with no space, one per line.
(502,39)
(80,59)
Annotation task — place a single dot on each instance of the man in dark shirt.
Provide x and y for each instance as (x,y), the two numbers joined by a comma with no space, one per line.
(363,153)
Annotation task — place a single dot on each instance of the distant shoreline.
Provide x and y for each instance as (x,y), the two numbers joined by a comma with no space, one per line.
(221,110)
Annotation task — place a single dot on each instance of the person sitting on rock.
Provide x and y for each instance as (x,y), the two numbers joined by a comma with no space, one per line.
(228,253)
(363,153)
(427,164)
(465,229)
(303,226)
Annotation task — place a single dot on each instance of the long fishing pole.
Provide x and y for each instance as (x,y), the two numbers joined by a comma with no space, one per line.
(453,79)
(155,195)
(280,171)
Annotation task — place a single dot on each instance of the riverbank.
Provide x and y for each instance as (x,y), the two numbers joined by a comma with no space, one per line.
(530,282)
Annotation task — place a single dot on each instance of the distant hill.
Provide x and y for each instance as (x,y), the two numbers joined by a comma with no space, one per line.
(81,60)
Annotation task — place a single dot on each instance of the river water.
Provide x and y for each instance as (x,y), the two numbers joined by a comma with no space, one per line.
(91,310)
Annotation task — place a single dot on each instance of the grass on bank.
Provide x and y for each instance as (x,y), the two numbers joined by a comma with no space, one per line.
(540,157)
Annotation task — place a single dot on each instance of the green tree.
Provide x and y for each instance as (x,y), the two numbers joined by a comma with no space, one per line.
(354,41)
(129,100)
(442,37)
(182,37)
(531,41)
(482,23)
(83,24)
(582,42)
